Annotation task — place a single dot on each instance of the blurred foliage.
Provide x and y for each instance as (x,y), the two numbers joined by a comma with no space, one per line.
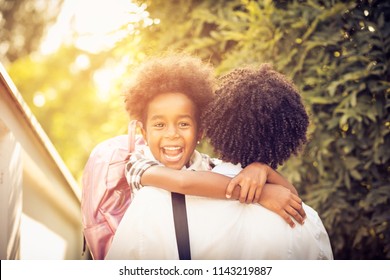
(23,24)
(74,115)
(76,95)
(337,53)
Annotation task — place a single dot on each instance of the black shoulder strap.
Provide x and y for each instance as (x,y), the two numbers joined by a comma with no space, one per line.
(181,225)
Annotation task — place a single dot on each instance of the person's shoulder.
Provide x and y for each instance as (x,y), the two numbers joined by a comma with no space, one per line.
(227,168)
(212,162)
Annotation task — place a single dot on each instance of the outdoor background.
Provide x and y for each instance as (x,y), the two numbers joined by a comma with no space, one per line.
(70,58)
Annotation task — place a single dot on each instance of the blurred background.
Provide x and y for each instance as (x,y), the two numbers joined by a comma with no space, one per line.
(70,58)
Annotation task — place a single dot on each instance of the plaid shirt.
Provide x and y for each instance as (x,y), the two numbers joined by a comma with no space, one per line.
(135,167)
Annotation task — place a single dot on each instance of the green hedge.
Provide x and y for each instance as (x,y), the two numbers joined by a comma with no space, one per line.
(337,52)
(341,63)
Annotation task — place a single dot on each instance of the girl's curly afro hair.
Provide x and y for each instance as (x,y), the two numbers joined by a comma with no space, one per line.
(170,73)
(257,116)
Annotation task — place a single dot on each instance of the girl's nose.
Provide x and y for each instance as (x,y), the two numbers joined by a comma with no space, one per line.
(172,132)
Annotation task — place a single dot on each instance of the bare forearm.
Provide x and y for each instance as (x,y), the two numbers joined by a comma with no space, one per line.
(275,177)
(200,183)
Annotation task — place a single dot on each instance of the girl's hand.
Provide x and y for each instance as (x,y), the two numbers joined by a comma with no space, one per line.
(251,181)
(283,202)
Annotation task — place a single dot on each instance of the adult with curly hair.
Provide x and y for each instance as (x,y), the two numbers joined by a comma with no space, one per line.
(264,110)
(221,229)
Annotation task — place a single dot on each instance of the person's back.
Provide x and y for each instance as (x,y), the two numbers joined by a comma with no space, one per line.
(218,229)
(260,226)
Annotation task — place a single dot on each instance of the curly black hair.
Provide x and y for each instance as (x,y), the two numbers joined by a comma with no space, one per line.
(256,116)
(170,73)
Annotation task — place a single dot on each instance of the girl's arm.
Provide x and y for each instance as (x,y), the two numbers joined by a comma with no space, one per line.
(283,202)
(200,183)
(210,184)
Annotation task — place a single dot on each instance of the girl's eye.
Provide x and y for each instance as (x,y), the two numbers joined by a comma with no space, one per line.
(184,124)
(159,125)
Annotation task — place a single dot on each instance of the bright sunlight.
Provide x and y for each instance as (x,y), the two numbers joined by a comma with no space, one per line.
(98,24)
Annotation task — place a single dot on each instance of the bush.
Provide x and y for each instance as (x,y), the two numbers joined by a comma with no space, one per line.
(337,52)
(341,63)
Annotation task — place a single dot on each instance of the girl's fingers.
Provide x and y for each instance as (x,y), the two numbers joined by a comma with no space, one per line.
(251,194)
(297,205)
(229,190)
(244,193)
(287,218)
(257,195)
(295,214)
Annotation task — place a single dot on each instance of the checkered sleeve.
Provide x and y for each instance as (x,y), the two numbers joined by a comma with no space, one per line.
(135,167)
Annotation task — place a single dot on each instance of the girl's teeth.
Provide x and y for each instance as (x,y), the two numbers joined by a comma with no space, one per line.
(171,148)
(172,153)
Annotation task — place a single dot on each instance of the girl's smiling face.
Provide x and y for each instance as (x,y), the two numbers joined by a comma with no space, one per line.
(171,129)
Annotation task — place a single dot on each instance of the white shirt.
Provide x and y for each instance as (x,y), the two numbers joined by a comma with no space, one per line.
(219,229)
